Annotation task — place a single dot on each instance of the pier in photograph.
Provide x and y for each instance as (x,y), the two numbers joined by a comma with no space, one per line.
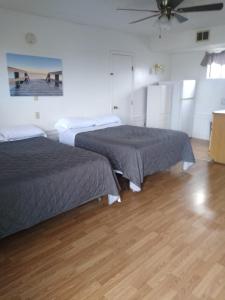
(37,87)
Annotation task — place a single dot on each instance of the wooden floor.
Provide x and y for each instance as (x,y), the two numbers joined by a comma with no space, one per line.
(201,149)
(165,243)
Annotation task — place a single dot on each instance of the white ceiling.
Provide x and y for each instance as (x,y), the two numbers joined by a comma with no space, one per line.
(103,13)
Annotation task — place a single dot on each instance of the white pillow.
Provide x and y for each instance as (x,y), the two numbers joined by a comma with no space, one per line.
(73,122)
(21,132)
(109,119)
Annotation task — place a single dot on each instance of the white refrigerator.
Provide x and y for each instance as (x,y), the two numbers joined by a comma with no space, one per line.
(170,105)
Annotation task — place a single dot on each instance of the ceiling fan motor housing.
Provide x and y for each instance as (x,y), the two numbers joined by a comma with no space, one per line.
(166,11)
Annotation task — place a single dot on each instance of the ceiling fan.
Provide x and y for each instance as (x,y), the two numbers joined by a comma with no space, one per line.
(167,9)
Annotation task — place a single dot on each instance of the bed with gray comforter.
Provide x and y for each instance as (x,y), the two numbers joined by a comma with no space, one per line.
(138,151)
(40,178)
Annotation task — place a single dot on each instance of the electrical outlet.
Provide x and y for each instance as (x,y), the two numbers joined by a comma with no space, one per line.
(35,98)
(37,115)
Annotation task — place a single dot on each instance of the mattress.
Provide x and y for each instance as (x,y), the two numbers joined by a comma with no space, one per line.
(40,178)
(138,151)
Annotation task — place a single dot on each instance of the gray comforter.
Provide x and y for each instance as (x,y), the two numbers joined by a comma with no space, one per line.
(138,151)
(40,178)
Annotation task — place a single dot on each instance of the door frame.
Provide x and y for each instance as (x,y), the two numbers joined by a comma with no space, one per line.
(122,53)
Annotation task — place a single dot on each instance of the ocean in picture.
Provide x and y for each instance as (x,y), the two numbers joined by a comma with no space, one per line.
(34,75)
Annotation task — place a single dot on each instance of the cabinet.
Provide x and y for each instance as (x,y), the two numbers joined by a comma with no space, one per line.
(217,141)
(159,106)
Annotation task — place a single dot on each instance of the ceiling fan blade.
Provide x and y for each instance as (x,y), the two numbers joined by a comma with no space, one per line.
(140,20)
(134,9)
(175,3)
(200,8)
(180,18)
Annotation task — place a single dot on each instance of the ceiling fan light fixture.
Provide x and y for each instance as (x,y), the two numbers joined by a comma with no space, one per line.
(164,23)
(163,19)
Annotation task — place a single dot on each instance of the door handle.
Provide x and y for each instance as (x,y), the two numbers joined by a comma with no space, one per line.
(115,107)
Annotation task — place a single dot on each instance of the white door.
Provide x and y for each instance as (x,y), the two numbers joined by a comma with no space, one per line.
(166,106)
(183,105)
(187,116)
(187,106)
(122,86)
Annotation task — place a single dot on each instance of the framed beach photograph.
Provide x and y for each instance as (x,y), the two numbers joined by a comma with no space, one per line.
(34,75)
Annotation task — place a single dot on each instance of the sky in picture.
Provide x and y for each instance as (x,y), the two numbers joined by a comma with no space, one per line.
(34,64)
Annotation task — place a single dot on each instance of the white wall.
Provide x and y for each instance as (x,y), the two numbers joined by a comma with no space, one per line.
(85,52)
(175,41)
(209,92)
(186,56)
(210,95)
(186,65)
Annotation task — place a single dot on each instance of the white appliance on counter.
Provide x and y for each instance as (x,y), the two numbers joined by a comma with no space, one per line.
(170,105)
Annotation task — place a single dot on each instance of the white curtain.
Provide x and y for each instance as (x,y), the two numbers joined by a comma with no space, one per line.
(215,63)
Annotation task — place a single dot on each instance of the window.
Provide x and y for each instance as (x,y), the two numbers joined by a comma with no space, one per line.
(215,71)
